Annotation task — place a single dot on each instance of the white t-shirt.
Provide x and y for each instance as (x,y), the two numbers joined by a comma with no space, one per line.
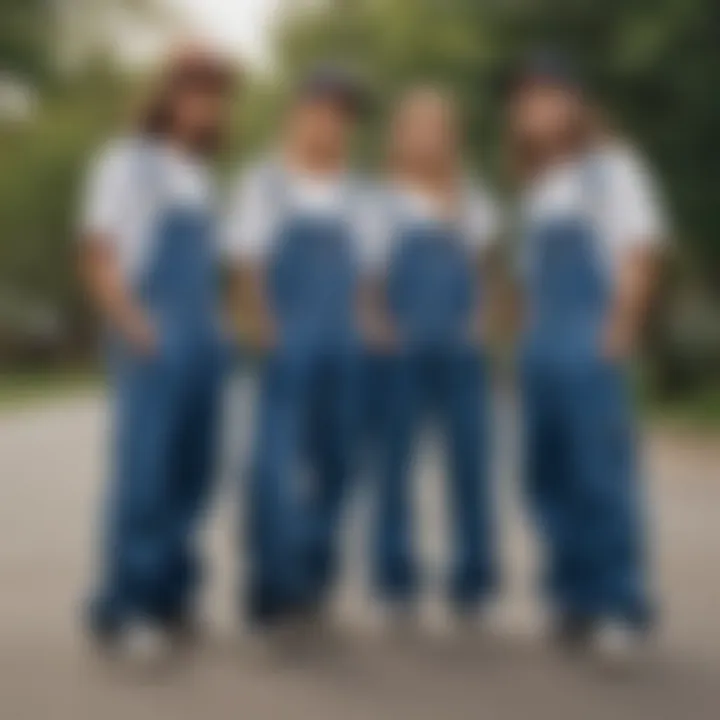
(613,188)
(129,184)
(265,193)
(479,220)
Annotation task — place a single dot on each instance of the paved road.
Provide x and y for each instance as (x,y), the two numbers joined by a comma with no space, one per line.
(51,466)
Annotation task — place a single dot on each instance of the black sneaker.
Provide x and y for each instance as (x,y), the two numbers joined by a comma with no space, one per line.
(184,629)
(103,627)
(575,632)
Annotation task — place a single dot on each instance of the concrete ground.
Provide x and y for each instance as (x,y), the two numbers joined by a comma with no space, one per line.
(51,472)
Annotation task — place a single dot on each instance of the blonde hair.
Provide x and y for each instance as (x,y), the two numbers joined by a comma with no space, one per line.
(421,97)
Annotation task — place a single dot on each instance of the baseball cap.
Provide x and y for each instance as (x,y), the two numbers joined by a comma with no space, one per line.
(335,82)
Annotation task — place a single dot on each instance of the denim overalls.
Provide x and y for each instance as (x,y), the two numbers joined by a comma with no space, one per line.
(432,293)
(166,412)
(581,475)
(305,421)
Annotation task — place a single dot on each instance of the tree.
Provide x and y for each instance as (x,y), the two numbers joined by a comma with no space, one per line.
(24,34)
(43,161)
(653,63)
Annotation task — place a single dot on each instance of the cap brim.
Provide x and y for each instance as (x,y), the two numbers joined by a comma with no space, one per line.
(344,89)
(544,68)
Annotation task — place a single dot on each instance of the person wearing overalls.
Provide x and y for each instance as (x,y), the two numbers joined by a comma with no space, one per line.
(149,260)
(591,223)
(291,234)
(434,226)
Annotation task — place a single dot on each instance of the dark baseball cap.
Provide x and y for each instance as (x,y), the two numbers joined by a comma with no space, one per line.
(546,66)
(337,83)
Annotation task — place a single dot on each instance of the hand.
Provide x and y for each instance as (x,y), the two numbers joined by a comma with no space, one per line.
(379,334)
(476,332)
(142,336)
(260,335)
(618,341)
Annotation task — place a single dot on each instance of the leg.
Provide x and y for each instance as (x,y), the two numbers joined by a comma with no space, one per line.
(371,401)
(394,562)
(610,567)
(194,454)
(334,426)
(547,478)
(274,520)
(136,548)
(463,406)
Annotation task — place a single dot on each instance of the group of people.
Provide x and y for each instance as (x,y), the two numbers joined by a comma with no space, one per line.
(365,307)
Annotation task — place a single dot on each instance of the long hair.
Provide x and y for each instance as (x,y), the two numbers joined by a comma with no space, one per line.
(192,71)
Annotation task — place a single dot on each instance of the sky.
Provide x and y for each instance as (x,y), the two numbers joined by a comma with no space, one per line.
(239,26)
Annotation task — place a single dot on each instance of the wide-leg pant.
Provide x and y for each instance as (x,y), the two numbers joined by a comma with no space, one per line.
(450,386)
(582,486)
(166,420)
(306,422)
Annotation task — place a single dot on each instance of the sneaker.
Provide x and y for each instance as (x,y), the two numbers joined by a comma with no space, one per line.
(103,626)
(621,646)
(145,646)
(184,630)
(575,633)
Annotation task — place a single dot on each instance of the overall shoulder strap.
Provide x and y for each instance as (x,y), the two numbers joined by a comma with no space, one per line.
(353,188)
(392,209)
(593,187)
(465,226)
(275,187)
(524,227)
(595,193)
(149,172)
(148,176)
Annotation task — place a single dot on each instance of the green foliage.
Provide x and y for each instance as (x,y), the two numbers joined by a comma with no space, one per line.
(24,36)
(20,389)
(652,62)
(43,162)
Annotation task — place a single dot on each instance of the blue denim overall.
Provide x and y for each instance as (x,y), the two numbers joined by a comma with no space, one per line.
(432,291)
(306,415)
(581,475)
(166,409)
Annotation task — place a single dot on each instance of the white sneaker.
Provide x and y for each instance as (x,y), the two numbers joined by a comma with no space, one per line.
(620,646)
(146,647)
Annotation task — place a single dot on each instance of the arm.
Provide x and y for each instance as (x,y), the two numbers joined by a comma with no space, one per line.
(374,237)
(484,320)
(490,316)
(110,198)
(108,292)
(375,322)
(248,229)
(500,318)
(252,318)
(638,228)
(636,279)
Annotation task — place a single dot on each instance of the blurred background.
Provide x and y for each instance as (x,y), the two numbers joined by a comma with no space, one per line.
(72,70)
